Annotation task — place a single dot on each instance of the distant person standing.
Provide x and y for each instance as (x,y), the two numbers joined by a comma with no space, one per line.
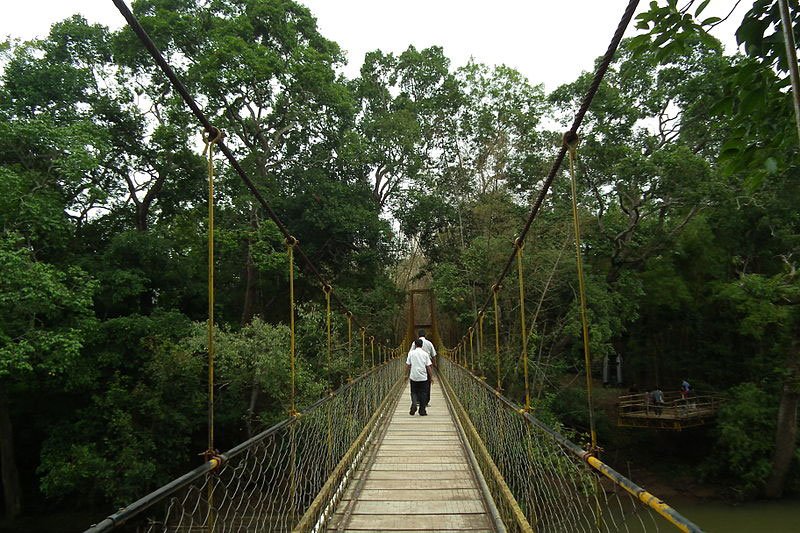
(658,400)
(685,389)
(418,363)
(431,351)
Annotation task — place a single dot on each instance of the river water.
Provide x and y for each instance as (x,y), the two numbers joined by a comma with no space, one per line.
(753,517)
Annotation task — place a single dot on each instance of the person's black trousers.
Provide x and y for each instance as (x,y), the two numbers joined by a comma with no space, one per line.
(420,392)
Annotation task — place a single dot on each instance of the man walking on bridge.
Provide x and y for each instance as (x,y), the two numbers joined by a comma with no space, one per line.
(431,351)
(418,363)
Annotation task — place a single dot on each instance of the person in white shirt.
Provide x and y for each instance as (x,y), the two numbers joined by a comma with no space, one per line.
(431,351)
(426,345)
(418,363)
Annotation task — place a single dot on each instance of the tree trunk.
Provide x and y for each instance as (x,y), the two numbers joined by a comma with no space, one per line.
(785,440)
(12,491)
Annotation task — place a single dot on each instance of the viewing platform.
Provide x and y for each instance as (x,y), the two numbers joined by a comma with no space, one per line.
(676,413)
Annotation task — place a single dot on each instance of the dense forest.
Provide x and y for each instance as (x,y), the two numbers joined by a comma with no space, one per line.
(688,193)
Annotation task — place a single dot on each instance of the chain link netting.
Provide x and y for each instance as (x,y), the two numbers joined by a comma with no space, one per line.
(294,471)
(535,480)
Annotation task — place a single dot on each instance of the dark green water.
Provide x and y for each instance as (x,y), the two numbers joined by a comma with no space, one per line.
(753,517)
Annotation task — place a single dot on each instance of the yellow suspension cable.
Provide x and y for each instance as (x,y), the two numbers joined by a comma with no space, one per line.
(480,344)
(572,146)
(523,328)
(210,141)
(349,339)
(372,349)
(363,347)
(495,290)
(291,242)
(471,352)
(327,290)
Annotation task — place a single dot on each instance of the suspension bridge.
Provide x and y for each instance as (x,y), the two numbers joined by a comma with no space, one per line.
(356,461)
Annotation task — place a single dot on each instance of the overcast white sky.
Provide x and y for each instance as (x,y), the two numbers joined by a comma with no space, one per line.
(550,41)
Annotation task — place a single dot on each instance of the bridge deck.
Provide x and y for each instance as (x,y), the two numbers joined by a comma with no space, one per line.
(420,478)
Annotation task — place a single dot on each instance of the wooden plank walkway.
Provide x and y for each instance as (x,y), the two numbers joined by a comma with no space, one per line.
(420,478)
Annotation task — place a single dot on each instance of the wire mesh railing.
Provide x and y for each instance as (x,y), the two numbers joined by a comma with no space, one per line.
(289,477)
(540,480)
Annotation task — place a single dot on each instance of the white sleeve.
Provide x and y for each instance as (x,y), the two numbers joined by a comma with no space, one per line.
(408,358)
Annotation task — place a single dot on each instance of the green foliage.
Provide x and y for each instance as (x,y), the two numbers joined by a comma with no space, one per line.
(744,439)
(141,408)
(686,189)
(46,313)
(255,356)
